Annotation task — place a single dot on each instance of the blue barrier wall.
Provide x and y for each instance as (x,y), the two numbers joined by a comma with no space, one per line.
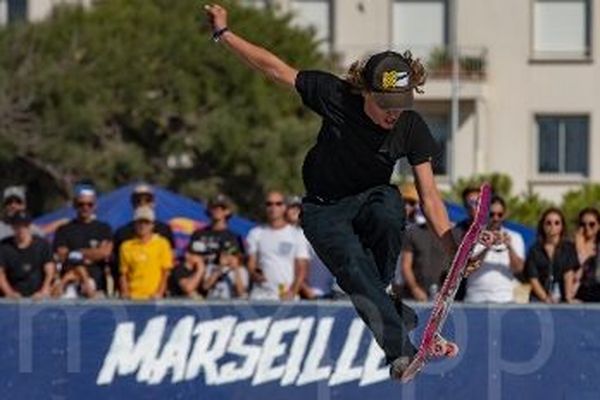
(305,351)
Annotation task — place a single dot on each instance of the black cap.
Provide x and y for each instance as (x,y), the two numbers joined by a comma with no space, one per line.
(20,218)
(219,200)
(387,76)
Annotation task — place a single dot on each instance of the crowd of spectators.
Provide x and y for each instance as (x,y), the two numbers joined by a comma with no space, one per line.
(86,259)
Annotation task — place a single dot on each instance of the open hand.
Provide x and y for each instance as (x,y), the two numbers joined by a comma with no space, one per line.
(217,16)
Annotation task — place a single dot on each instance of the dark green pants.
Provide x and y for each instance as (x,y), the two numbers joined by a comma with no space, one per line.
(359,239)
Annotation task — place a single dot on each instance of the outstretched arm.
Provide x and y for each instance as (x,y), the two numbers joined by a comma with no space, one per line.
(257,57)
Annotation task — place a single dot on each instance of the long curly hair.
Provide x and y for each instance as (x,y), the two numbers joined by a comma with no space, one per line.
(418,75)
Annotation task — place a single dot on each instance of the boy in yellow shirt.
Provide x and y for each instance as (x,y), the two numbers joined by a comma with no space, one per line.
(145,261)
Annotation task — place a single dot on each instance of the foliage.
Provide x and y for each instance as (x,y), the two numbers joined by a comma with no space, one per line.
(113,92)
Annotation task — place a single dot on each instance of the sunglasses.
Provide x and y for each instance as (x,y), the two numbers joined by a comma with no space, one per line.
(590,224)
(555,222)
(274,203)
(411,203)
(85,204)
(496,214)
(13,200)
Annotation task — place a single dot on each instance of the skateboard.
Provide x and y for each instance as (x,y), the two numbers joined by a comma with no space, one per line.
(432,343)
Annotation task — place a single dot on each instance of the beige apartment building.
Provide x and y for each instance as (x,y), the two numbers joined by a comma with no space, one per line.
(529,79)
(529,76)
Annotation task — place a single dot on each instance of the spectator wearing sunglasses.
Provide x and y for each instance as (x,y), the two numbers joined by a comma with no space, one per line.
(208,241)
(587,243)
(145,261)
(87,239)
(495,281)
(277,254)
(142,196)
(552,260)
(14,202)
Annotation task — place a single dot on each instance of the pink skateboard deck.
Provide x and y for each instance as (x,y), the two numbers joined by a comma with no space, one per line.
(445,297)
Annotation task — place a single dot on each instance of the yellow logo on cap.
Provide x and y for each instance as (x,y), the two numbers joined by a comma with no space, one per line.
(394,79)
(389,79)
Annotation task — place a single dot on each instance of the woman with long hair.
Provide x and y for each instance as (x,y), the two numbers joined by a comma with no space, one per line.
(352,216)
(587,243)
(552,260)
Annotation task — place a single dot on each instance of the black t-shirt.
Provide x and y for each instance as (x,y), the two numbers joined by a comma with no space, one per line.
(77,235)
(209,243)
(352,153)
(539,265)
(24,268)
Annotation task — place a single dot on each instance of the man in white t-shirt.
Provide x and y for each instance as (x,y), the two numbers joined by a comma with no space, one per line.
(277,254)
(495,281)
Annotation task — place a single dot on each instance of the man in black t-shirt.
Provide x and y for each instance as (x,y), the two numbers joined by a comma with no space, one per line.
(88,237)
(209,240)
(352,216)
(26,265)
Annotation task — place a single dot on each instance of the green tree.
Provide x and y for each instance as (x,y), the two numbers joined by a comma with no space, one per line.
(576,200)
(115,92)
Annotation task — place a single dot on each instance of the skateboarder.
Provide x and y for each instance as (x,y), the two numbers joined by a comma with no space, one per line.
(352,216)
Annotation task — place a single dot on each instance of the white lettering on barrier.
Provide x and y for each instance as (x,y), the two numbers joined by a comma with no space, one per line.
(174,354)
(126,355)
(344,371)
(211,342)
(312,371)
(255,329)
(191,350)
(298,349)
(375,370)
(273,348)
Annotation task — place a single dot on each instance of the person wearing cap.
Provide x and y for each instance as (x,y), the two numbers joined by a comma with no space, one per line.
(411,202)
(14,201)
(227,278)
(142,195)
(352,216)
(86,235)
(26,265)
(207,240)
(144,261)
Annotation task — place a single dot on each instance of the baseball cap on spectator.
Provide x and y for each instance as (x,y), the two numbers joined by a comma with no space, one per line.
(142,193)
(85,191)
(293,201)
(219,200)
(387,76)
(230,247)
(144,213)
(20,218)
(14,193)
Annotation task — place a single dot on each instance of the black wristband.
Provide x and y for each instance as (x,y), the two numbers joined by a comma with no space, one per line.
(217,34)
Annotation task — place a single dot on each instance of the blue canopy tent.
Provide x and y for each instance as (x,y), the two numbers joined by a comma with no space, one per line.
(183,215)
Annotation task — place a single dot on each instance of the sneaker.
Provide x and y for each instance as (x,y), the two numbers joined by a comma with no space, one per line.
(398,366)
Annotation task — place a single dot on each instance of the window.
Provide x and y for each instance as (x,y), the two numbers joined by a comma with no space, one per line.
(561,29)
(563,144)
(420,25)
(16,10)
(314,14)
